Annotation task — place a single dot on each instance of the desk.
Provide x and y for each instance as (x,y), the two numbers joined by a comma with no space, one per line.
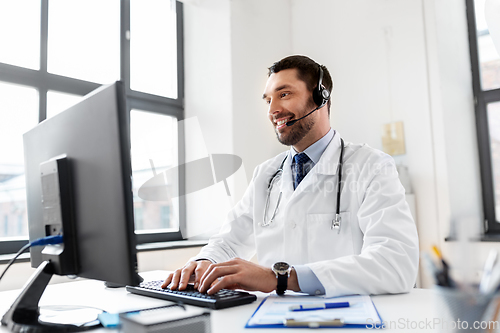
(415,307)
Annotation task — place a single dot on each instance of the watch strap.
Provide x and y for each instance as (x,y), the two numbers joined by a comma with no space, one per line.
(282,284)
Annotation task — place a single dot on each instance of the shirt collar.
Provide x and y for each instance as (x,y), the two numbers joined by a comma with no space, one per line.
(317,149)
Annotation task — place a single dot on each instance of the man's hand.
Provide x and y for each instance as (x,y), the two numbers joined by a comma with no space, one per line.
(191,272)
(241,274)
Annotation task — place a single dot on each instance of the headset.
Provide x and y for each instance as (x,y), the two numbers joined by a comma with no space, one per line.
(320,95)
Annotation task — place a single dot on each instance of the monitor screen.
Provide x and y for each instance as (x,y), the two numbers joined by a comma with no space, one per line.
(93,137)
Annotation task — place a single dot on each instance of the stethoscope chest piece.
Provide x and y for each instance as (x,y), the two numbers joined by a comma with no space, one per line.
(336,223)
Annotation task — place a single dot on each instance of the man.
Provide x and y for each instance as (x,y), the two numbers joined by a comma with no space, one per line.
(290,218)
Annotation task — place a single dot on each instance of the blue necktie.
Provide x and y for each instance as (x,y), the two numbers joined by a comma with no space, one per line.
(301,166)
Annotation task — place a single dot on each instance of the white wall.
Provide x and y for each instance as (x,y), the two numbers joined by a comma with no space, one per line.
(375,51)
(456,153)
(207,61)
(391,60)
(260,35)
(208,109)
(227,52)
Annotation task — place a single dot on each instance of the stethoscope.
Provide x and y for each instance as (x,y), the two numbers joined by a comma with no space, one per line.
(335,222)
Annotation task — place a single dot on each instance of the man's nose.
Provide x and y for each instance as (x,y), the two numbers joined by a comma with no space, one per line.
(274,107)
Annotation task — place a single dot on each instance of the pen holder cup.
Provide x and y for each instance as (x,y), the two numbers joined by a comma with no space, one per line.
(460,310)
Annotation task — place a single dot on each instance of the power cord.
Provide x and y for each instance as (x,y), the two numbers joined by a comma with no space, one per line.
(49,240)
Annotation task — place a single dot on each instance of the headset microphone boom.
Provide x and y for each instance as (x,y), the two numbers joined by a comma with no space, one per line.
(321,95)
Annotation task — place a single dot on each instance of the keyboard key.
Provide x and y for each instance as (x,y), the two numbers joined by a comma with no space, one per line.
(222,299)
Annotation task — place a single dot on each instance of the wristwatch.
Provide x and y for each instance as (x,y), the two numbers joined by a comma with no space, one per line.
(282,271)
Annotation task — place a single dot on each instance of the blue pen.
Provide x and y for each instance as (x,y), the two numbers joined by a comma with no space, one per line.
(318,306)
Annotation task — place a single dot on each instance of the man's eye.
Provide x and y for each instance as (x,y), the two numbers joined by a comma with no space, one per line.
(284,94)
(268,101)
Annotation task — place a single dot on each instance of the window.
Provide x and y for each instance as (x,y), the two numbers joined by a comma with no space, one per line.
(485,63)
(58,102)
(157,75)
(165,216)
(83,42)
(19,114)
(138,217)
(23,47)
(56,51)
(154,150)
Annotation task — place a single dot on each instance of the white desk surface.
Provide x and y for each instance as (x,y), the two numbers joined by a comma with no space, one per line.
(416,307)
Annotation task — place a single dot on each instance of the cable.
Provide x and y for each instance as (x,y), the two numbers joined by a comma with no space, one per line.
(49,240)
(24,248)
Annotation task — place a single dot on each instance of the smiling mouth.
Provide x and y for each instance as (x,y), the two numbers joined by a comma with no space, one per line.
(281,123)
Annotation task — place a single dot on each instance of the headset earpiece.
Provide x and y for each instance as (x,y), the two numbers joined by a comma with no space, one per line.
(321,95)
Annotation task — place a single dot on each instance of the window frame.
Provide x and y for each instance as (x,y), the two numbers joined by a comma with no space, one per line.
(44,81)
(481,100)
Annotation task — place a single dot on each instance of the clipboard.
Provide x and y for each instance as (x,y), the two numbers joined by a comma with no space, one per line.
(273,312)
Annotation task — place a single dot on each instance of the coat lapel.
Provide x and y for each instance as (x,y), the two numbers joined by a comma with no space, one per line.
(286,186)
(327,165)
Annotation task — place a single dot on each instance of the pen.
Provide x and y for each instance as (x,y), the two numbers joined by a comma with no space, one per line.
(436,273)
(444,275)
(431,267)
(488,269)
(493,281)
(318,306)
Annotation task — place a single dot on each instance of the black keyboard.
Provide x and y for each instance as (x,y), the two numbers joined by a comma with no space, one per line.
(222,299)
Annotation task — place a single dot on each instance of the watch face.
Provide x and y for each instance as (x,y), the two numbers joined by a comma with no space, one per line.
(281,267)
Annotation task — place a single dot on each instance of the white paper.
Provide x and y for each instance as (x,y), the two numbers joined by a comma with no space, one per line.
(275,310)
(68,315)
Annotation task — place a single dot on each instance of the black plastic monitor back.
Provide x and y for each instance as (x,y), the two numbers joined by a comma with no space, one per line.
(94,137)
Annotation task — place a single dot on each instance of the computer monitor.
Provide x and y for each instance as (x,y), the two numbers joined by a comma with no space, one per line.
(78,184)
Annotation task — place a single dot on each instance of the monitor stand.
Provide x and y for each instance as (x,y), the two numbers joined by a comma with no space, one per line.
(24,314)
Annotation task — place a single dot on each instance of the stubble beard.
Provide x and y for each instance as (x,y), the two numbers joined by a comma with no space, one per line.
(298,131)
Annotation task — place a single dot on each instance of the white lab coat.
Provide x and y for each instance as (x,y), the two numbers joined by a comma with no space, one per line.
(376,250)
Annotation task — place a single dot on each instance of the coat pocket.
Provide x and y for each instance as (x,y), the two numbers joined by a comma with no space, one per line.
(325,243)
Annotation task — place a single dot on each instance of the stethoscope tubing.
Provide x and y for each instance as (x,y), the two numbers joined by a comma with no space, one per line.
(336,222)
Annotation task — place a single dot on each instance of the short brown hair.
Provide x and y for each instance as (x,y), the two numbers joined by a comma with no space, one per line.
(308,71)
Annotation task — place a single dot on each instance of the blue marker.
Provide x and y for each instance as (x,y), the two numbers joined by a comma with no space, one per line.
(319,306)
